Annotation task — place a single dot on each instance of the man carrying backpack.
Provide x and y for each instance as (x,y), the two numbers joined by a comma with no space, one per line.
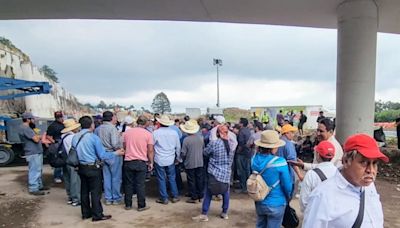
(325,151)
(72,181)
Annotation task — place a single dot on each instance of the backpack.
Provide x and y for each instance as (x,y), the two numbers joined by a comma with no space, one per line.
(57,156)
(256,186)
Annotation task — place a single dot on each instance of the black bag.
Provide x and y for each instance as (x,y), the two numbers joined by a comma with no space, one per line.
(56,154)
(216,187)
(290,219)
(73,159)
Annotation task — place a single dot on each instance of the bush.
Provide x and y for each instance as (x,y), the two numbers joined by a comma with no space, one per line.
(387,116)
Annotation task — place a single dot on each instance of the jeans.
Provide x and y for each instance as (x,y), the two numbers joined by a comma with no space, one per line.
(195,180)
(162,172)
(35,162)
(269,217)
(243,168)
(207,201)
(178,177)
(90,191)
(135,175)
(72,183)
(112,174)
(58,173)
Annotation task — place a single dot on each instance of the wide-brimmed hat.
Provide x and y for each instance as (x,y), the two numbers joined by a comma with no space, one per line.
(288,128)
(190,127)
(165,120)
(365,145)
(269,139)
(220,119)
(129,120)
(69,125)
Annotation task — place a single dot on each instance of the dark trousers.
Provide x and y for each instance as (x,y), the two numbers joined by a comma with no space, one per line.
(243,169)
(135,176)
(91,183)
(178,177)
(195,179)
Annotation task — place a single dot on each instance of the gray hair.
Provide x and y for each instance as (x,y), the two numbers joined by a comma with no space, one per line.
(350,156)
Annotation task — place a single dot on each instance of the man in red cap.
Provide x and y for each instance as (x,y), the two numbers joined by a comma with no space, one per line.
(325,169)
(349,198)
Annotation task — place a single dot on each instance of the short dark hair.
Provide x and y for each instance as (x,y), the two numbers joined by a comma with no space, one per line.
(25,120)
(259,126)
(107,116)
(325,159)
(86,122)
(177,120)
(244,121)
(328,124)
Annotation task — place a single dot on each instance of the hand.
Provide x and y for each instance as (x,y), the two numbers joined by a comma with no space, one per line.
(150,166)
(120,152)
(298,163)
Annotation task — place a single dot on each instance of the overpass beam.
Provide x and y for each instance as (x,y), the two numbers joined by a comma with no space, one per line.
(356,64)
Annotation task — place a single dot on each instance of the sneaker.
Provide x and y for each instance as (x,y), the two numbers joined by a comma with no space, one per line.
(175,200)
(38,193)
(143,208)
(117,202)
(128,208)
(162,201)
(69,201)
(224,216)
(57,181)
(192,201)
(75,204)
(201,218)
(108,202)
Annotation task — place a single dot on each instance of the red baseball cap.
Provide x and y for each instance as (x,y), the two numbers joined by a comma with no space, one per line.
(365,145)
(325,149)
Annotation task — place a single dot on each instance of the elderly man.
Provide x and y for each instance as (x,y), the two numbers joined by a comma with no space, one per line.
(112,169)
(325,131)
(325,169)
(349,199)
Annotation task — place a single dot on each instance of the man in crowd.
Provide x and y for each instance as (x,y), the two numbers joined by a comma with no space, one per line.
(72,181)
(90,152)
(325,169)
(243,153)
(192,155)
(280,118)
(320,116)
(302,120)
(258,128)
(349,198)
(34,154)
(139,158)
(112,170)
(167,149)
(54,135)
(325,131)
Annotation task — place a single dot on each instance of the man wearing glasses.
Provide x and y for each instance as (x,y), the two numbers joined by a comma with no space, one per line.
(349,198)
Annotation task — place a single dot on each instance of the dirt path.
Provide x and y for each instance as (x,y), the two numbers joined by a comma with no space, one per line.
(23,210)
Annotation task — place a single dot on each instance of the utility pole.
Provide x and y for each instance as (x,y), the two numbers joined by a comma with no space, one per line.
(218,63)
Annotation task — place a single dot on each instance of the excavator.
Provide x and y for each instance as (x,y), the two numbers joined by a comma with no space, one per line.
(10,145)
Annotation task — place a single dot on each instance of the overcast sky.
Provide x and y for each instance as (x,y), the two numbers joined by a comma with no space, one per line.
(129,62)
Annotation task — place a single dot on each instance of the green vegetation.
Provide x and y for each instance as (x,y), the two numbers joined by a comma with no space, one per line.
(6,42)
(386,111)
(49,73)
(161,103)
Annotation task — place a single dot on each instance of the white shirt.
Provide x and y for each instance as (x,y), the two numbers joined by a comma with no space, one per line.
(312,180)
(335,203)
(231,138)
(67,141)
(336,160)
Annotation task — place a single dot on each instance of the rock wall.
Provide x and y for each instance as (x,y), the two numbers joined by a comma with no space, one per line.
(15,64)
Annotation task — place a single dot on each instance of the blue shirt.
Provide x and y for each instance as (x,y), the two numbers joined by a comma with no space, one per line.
(90,148)
(277,196)
(288,152)
(220,162)
(167,146)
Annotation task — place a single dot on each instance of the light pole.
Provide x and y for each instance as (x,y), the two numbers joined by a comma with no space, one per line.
(218,63)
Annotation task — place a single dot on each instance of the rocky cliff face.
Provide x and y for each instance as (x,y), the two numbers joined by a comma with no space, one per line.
(16,64)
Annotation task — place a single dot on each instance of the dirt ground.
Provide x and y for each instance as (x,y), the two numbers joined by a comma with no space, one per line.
(19,209)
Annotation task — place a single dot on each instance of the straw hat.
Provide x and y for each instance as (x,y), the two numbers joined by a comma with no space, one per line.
(190,127)
(69,125)
(269,139)
(288,128)
(165,120)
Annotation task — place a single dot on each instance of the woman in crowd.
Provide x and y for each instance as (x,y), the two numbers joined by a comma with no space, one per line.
(270,211)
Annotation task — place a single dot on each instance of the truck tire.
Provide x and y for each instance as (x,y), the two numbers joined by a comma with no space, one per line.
(6,156)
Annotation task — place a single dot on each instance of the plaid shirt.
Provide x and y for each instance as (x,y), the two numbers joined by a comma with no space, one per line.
(220,163)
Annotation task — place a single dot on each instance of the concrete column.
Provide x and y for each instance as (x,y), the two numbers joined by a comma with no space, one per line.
(356,63)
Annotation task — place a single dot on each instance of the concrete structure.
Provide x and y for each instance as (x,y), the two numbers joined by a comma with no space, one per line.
(357,21)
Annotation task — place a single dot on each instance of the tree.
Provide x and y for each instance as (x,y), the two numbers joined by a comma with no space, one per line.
(102,105)
(49,73)
(161,103)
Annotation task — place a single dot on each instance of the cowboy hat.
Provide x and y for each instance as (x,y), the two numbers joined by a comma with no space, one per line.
(165,120)
(269,139)
(288,128)
(190,127)
(69,125)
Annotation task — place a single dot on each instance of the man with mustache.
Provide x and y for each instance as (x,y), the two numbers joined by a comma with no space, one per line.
(349,198)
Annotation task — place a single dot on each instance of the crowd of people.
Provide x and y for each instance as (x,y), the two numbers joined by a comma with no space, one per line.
(337,189)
